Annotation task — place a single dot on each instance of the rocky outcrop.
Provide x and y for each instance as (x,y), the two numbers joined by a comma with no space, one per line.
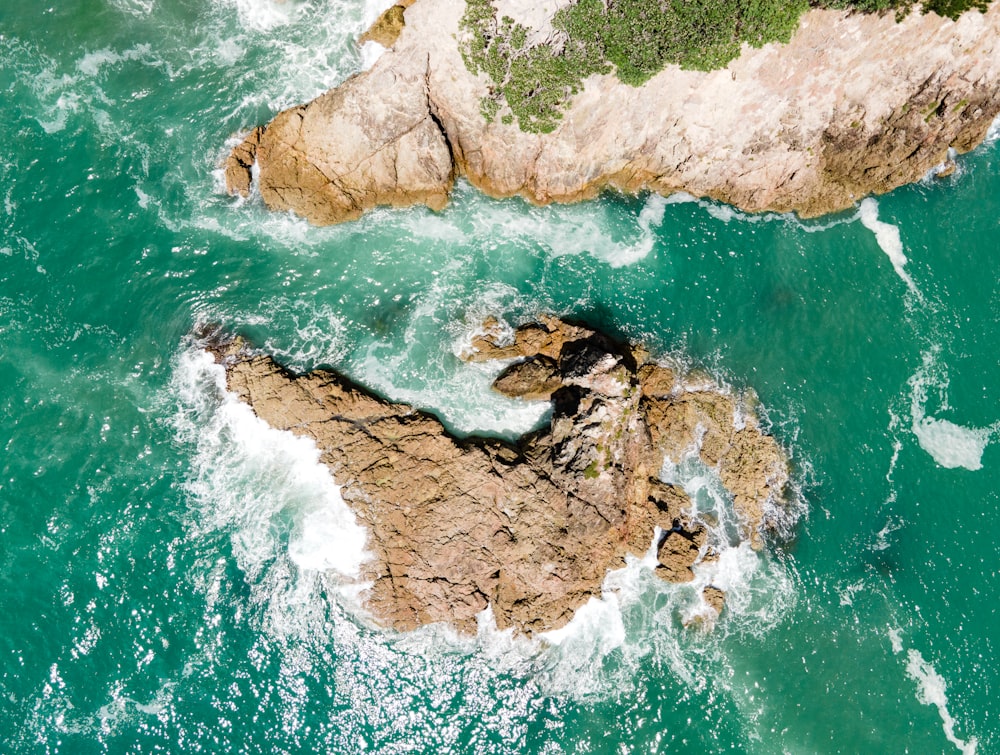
(854,104)
(529,528)
(371,141)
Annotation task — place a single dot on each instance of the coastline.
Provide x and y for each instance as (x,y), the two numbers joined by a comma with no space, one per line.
(853,105)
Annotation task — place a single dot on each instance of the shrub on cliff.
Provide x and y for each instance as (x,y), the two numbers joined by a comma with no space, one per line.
(641,37)
(635,38)
(946,8)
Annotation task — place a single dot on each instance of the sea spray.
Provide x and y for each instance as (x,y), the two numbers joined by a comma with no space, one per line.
(554,230)
(263,487)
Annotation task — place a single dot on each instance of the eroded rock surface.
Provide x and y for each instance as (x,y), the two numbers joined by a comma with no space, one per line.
(854,104)
(530,528)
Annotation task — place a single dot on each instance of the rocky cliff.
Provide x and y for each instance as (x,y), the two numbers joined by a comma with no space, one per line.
(529,528)
(854,104)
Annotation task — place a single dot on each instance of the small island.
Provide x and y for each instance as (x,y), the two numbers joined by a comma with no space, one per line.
(531,528)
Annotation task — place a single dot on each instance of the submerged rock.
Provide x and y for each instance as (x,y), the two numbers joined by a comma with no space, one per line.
(853,104)
(529,528)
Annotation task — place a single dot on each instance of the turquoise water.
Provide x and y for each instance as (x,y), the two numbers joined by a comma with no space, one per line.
(172,573)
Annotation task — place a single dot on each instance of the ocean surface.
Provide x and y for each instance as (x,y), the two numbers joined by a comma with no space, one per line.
(177,578)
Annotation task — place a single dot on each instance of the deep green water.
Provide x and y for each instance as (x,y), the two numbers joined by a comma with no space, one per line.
(172,574)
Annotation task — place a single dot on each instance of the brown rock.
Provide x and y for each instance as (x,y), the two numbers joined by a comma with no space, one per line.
(677,552)
(350,150)
(239,165)
(947,168)
(754,470)
(853,104)
(657,381)
(715,597)
(545,337)
(750,463)
(530,528)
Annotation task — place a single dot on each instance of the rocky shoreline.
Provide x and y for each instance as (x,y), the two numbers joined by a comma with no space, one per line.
(854,104)
(530,528)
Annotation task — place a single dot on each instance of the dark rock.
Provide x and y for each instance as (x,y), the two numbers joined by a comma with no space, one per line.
(535,378)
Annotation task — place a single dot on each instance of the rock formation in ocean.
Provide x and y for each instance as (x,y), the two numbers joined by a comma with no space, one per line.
(853,104)
(529,528)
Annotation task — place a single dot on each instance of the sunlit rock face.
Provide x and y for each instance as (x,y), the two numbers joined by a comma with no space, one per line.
(529,529)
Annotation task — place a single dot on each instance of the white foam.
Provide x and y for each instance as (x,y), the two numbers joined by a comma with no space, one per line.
(314,333)
(952,445)
(598,618)
(265,487)
(882,536)
(993,132)
(58,99)
(264,15)
(950,163)
(329,537)
(464,397)
(680,197)
(759,590)
(570,231)
(559,230)
(135,7)
(931,689)
(371,51)
(896,640)
(711,503)
(727,214)
(92,62)
(888,239)
(949,444)
(651,214)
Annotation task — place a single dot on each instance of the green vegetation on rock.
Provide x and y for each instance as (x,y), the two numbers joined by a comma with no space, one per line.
(532,83)
(945,8)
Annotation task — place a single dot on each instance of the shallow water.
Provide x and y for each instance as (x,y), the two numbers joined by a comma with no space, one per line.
(178,579)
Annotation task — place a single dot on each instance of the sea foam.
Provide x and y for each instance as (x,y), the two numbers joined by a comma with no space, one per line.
(931,690)
(556,230)
(949,444)
(888,239)
(266,488)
